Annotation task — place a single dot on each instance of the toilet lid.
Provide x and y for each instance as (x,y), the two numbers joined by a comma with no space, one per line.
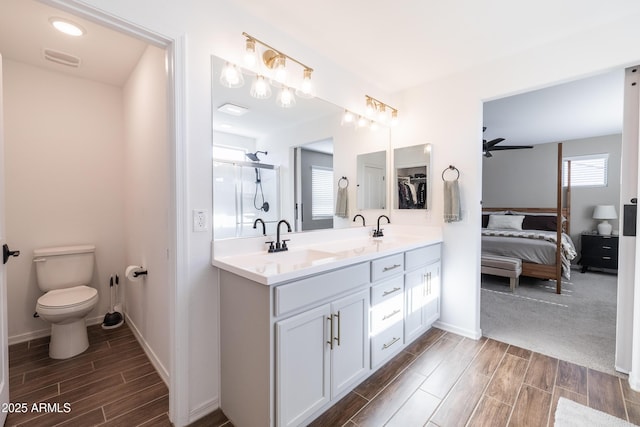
(67,297)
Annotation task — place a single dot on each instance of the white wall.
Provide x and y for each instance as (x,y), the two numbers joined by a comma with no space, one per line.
(64,182)
(145,166)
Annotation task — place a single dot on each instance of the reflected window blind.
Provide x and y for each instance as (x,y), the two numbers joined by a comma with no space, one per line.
(321,192)
(586,171)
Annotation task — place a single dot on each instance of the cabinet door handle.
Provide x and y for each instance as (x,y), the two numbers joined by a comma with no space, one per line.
(338,337)
(606,247)
(390,292)
(393,313)
(330,342)
(389,344)
(606,257)
(391,268)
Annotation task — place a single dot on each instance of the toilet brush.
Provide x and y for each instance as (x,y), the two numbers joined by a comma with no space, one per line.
(112,319)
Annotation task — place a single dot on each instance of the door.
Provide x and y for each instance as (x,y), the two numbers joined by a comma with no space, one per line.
(374,197)
(316,205)
(4,346)
(350,355)
(415,288)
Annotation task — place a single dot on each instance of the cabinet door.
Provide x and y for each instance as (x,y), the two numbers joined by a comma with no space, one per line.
(350,354)
(431,307)
(302,367)
(414,289)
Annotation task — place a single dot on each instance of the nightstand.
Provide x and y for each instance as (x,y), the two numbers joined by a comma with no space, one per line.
(598,251)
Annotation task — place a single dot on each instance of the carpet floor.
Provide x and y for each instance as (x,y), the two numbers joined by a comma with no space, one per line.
(578,326)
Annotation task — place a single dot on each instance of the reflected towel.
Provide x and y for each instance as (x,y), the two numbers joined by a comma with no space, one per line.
(342,203)
(451,201)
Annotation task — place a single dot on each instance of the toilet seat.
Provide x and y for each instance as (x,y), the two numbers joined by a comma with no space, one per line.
(76,297)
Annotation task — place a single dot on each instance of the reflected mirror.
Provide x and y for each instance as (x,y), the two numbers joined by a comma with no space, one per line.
(257,163)
(412,180)
(372,182)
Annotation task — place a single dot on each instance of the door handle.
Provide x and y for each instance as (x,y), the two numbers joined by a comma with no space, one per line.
(6,253)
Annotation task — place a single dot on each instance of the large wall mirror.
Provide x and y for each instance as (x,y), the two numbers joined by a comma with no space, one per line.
(412,177)
(264,162)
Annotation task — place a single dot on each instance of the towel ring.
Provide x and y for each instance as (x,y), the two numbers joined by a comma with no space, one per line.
(453,168)
(344,178)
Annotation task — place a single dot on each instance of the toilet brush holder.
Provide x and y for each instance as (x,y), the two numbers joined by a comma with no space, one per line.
(113,318)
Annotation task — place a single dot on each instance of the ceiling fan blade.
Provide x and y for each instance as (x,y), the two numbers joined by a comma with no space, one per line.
(511,147)
(493,142)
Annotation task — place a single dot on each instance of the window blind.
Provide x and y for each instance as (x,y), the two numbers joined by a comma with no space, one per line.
(321,192)
(586,171)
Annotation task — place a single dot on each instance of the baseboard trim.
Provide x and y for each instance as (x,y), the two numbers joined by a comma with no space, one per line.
(40,333)
(468,333)
(203,409)
(162,371)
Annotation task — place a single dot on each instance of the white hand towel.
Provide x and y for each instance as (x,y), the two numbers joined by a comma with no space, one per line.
(342,203)
(451,201)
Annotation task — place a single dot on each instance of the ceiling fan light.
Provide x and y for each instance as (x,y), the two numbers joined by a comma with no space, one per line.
(231,76)
(286,99)
(260,88)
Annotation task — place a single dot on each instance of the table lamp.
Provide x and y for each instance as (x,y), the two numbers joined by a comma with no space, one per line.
(605,212)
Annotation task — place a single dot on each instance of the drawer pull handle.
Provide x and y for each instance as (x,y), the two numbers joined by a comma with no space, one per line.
(393,341)
(388,316)
(606,257)
(392,267)
(390,292)
(606,247)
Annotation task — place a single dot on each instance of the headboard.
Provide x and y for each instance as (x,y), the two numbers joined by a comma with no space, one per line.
(564,211)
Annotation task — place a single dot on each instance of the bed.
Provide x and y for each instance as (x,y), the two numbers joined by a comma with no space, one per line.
(540,239)
(529,234)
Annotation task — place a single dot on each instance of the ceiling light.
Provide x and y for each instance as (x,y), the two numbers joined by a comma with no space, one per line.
(373,106)
(67,27)
(231,76)
(286,99)
(260,88)
(233,110)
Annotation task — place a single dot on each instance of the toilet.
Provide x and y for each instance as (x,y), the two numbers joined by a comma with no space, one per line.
(64,273)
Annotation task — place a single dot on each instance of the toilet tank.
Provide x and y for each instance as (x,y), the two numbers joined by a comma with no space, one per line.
(63,266)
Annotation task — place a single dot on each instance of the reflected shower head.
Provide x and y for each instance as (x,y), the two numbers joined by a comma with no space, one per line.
(254,156)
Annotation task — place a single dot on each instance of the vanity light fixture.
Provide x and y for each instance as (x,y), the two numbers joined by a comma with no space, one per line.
(250,56)
(67,27)
(374,106)
(348,117)
(260,88)
(276,61)
(285,98)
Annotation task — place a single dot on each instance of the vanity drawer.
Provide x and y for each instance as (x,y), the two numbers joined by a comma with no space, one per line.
(421,256)
(386,344)
(386,314)
(387,290)
(387,267)
(318,288)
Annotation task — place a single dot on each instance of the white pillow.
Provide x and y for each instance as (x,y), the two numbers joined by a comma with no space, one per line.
(505,222)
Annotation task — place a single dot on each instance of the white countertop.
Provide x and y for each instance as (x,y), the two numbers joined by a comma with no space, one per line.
(316,251)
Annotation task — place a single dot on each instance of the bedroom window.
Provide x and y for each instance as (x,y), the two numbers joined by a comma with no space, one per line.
(321,192)
(586,171)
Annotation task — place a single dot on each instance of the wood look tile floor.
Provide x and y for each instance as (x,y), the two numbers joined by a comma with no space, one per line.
(110,384)
(446,380)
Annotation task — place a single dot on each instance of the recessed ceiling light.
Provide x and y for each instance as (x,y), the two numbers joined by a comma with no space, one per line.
(232,109)
(67,27)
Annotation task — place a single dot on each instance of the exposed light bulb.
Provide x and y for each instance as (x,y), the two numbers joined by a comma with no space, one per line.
(394,117)
(281,69)
(231,76)
(260,88)
(286,99)
(362,122)
(250,53)
(306,88)
(348,117)
(382,113)
(370,107)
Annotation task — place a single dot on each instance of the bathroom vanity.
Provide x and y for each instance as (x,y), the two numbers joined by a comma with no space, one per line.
(300,329)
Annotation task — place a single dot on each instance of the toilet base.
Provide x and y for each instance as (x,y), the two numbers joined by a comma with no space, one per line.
(68,340)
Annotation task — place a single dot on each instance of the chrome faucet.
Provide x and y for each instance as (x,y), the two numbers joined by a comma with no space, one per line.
(354,219)
(264,227)
(378,232)
(280,246)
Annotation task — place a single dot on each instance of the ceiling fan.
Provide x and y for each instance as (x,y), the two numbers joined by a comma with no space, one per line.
(489,146)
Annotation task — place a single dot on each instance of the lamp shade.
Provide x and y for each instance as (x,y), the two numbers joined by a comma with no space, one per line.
(605,212)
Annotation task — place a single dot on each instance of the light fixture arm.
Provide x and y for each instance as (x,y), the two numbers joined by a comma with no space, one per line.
(277,51)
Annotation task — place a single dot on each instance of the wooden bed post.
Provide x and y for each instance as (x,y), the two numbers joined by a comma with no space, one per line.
(559,223)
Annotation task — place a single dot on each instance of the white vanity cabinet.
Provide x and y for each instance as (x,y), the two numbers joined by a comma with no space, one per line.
(422,290)
(320,353)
